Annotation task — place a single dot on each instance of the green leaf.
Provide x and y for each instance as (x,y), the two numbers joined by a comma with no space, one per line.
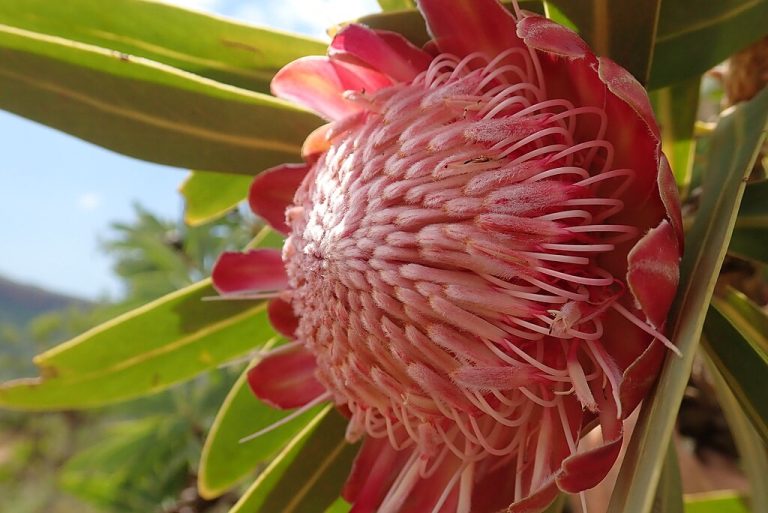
(145,350)
(225,461)
(308,473)
(669,493)
(340,506)
(208,196)
(316,476)
(212,47)
(136,467)
(753,460)
(144,109)
(735,144)
(716,502)
(396,5)
(694,36)
(737,342)
(751,231)
(142,352)
(623,30)
(676,108)
(691,37)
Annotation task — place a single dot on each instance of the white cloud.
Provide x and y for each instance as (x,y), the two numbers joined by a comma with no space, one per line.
(311,17)
(89,201)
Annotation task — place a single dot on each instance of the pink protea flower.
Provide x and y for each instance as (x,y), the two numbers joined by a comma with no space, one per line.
(483,245)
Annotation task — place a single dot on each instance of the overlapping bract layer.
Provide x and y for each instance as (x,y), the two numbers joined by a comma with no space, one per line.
(482,248)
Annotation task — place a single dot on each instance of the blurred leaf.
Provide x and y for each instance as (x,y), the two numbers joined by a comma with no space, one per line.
(751,230)
(142,352)
(396,5)
(669,493)
(145,109)
(208,196)
(558,505)
(146,350)
(694,36)
(340,506)
(623,30)
(676,108)
(719,502)
(226,461)
(209,46)
(138,466)
(735,145)
(737,342)
(322,432)
(753,457)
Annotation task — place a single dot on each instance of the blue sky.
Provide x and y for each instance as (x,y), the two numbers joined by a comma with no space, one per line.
(58,195)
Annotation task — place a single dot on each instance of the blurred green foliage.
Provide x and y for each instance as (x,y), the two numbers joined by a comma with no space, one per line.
(140,455)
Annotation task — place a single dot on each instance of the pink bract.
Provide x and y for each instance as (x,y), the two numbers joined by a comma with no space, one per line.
(483,245)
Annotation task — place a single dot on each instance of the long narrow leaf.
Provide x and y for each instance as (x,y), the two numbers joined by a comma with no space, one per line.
(142,352)
(735,145)
(145,109)
(675,107)
(752,449)
(694,36)
(308,471)
(209,46)
(737,343)
(751,230)
(146,350)
(669,493)
(225,461)
(316,476)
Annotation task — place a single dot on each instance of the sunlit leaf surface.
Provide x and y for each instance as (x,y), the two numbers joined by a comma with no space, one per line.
(143,351)
(145,109)
(208,196)
(209,46)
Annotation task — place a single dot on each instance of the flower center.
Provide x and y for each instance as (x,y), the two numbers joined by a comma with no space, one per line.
(450,260)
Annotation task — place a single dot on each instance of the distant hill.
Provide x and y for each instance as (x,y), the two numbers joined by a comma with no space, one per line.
(20,303)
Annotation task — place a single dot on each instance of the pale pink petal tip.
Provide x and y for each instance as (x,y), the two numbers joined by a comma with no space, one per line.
(272,192)
(654,272)
(258,270)
(286,379)
(548,36)
(385,51)
(621,83)
(319,84)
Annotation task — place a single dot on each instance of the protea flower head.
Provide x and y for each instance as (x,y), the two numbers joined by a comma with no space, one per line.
(482,247)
